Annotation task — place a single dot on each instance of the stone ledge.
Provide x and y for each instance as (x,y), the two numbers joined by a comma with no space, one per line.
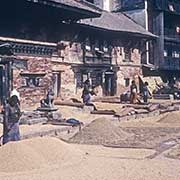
(45,133)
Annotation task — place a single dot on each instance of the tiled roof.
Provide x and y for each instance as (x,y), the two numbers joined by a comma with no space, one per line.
(76,4)
(117,22)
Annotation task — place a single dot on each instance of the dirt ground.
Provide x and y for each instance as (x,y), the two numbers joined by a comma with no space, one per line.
(150,151)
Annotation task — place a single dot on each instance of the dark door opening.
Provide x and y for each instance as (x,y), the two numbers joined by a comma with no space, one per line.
(109,84)
(57,83)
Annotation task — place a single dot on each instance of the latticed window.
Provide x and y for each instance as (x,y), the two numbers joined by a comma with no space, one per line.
(31,82)
(32,79)
(96,46)
(105,47)
(87,45)
(127,54)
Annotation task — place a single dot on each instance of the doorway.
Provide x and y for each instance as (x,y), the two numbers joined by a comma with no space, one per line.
(57,83)
(109,83)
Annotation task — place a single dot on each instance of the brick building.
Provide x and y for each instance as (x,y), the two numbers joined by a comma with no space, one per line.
(33,30)
(54,49)
(115,44)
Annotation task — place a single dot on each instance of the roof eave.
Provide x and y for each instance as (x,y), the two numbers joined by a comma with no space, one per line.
(85,12)
(137,34)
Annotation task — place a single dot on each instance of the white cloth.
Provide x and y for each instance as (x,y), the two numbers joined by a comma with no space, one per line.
(16,93)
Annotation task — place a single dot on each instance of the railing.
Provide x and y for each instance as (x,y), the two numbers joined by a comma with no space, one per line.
(171,63)
(171,33)
(95,60)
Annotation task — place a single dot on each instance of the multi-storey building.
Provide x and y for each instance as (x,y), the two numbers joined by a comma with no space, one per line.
(161,17)
(115,43)
(29,35)
(45,45)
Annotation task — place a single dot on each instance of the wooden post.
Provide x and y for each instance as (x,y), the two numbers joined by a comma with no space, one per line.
(7,86)
(159,30)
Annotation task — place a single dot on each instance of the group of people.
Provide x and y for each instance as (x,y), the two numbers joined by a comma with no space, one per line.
(12,110)
(88,92)
(134,92)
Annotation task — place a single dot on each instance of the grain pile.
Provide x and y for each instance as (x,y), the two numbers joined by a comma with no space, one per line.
(100,131)
(172,117)
(36,153)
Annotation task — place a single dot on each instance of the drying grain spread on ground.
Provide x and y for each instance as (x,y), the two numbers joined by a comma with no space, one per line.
(105,148)
(142,148)
(100,131)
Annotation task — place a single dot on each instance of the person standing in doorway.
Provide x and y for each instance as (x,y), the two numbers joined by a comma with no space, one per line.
(133,90)
(86,92)
(145,92)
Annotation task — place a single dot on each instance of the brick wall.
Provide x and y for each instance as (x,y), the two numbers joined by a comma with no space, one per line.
(32,95)
(127,70)
(71,54)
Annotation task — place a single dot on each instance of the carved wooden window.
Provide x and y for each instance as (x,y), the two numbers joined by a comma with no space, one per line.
(87,44)
(127,54)
(97,45)
(32,80)
(105,47)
